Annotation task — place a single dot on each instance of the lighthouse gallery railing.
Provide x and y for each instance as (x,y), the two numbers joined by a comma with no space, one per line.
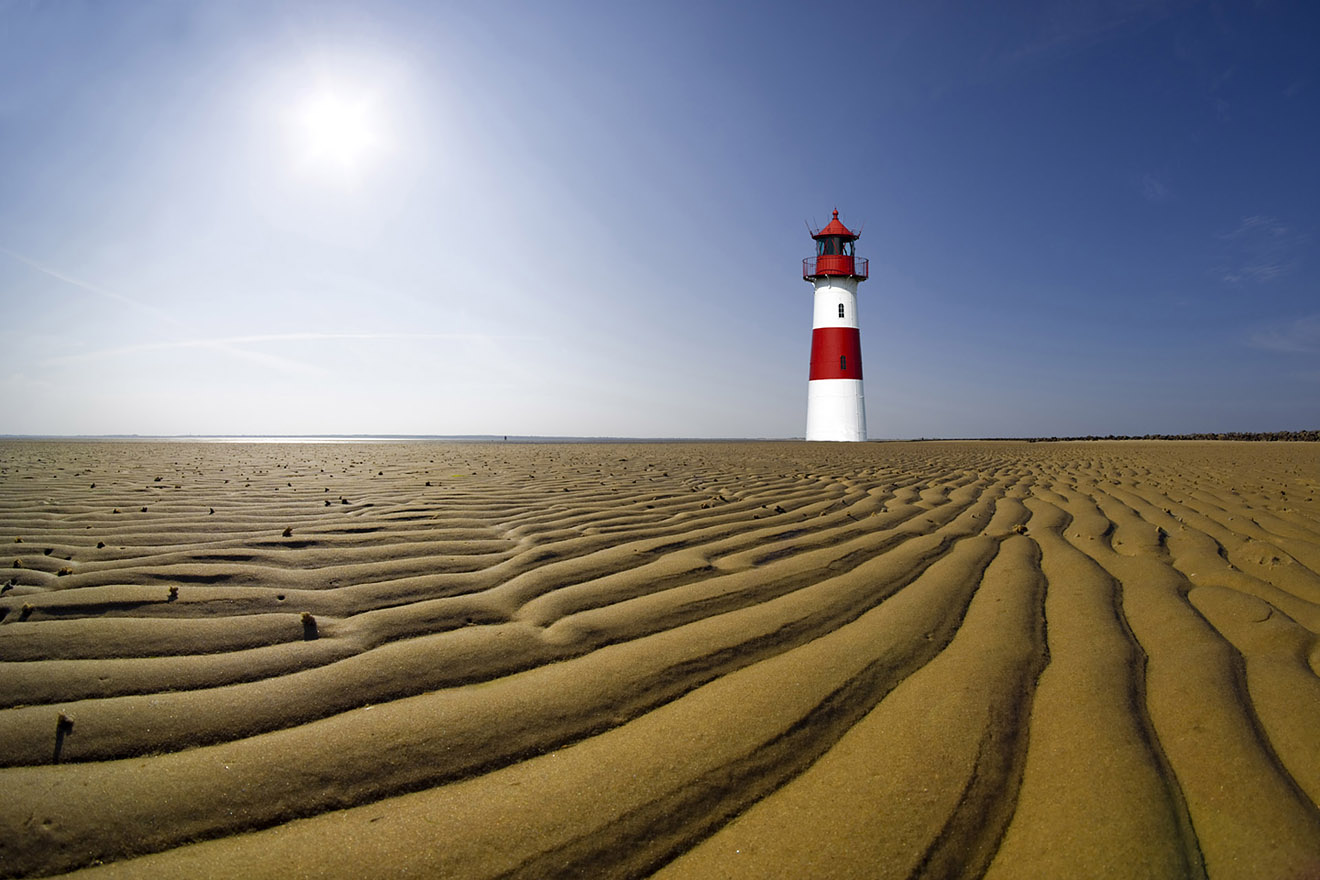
(834,264)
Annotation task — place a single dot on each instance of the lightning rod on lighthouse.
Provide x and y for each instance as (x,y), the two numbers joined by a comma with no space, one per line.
(836,409)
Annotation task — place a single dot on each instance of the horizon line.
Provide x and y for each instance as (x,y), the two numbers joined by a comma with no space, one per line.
(574,438)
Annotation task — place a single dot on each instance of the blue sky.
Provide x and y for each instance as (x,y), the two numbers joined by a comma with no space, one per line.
(586,219)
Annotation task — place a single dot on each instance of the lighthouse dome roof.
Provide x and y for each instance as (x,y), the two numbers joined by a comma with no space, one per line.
(834,227)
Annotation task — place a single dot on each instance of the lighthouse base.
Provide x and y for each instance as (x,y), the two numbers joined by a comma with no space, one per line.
(836,410)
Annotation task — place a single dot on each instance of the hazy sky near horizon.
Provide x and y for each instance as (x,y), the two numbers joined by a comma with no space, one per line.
(587,218)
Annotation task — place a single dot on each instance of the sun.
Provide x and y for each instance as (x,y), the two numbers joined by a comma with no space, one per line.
(338,131)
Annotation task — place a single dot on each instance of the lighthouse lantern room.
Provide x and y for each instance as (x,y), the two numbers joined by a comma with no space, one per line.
(836,409)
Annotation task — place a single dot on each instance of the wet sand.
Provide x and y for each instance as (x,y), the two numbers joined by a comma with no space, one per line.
(1090,659)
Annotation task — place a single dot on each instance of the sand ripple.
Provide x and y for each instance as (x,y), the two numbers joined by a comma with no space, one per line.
(937,659)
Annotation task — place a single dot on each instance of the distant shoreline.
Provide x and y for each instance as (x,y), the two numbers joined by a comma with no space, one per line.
(1303,436)
(1307,436)
(381,438)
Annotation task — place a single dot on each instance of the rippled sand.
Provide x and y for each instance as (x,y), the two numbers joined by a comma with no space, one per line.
(694,660)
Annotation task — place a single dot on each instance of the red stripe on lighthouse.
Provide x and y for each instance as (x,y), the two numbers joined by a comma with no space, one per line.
(836,353)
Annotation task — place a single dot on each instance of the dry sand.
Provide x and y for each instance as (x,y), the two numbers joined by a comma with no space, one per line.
(694,660)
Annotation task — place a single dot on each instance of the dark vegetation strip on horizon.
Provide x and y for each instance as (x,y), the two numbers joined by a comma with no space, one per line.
(1306,436)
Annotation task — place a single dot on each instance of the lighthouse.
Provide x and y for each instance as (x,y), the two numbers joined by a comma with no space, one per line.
(836,409)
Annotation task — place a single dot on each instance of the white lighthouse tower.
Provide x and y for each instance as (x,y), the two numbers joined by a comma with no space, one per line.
(836,409)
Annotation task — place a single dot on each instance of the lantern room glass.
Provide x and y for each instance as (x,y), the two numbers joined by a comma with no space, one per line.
(832,246)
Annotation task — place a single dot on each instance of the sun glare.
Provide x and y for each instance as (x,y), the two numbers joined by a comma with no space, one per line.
(338,133)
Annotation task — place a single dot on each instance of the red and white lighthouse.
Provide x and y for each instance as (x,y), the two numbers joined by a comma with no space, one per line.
(836,409)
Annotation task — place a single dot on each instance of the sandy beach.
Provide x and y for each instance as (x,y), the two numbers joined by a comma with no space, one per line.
(936,659)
